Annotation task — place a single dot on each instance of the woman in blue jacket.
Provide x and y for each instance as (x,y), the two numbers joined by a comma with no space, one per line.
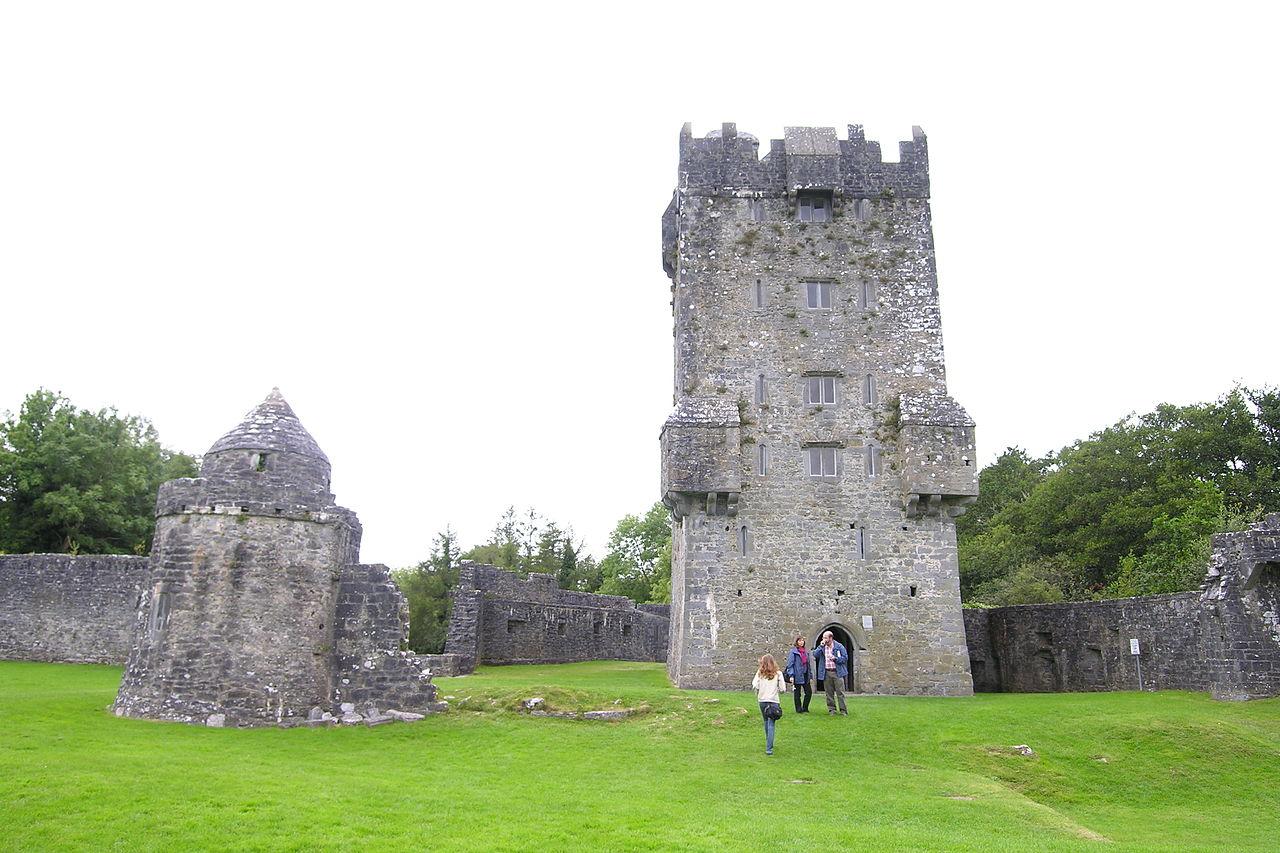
(797,672)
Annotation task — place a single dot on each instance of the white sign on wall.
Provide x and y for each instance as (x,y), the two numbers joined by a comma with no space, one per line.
(866,623)
(1133,647)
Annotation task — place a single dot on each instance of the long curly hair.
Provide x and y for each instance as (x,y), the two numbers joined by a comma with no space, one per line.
(768,666)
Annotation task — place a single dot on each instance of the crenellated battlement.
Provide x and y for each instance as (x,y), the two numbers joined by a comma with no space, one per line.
(728,162)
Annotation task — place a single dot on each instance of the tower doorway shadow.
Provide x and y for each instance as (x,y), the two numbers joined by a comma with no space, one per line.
(842,636)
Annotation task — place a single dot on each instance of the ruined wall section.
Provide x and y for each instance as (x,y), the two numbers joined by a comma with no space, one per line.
(844,549)
(372,626)
(500,618)
(1224,639)
(56,607)
(1241,601)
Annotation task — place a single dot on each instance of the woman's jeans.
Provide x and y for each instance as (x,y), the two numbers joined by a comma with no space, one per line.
(807,687)
(768,729)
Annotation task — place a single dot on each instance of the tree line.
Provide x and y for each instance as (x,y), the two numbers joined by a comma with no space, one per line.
(1127,511)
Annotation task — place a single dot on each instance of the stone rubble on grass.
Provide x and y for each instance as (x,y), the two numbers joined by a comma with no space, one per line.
(405,716)
(531,704)
(1023,749)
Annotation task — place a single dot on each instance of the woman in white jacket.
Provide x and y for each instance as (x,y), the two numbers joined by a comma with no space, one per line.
(769,685)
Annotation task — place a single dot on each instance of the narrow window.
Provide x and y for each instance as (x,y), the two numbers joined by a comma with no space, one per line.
(595,628)
(913,590)
(159,613)
(762,459)
(815,207)
(760,389)
(869,395)
(864,296)
(759,293)
(260,462)
(860,208)
(820,390)
(560,628)
(742,540)
(860,542)
(873,460)
(756,208)
(822,462)
(626,630)
(817,294)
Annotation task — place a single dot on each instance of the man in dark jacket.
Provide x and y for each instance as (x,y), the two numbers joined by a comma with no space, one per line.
(832,661)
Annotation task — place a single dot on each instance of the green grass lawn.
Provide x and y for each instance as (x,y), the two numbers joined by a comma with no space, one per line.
(1167,771)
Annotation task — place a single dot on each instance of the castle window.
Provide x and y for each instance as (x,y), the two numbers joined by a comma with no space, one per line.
(815,207)
(259,461)
(859,542)
(760,389)
(869,394)
(817,294)
(873,460)
(822,462)
(759,293)
(513,625)
(860,209)
(756,208)
(595,627)
(865,296)
(762,459)
(820,390)
(560,628)
(159,614)
(626,630)
(743,540)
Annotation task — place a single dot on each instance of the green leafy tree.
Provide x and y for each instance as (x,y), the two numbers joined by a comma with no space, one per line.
(77,481)
(638,564)
(426,587)
(1128,511)
(527,542)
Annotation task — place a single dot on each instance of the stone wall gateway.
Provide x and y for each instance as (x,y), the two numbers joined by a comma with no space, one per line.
(499,618)
(60,608)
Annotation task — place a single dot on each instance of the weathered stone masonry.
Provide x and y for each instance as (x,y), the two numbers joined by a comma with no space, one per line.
(257,610)
(55,607)
(1224,639)
(499,618)
(814,462)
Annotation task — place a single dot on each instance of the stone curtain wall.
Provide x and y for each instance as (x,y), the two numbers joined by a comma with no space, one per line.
(55,607)
(1054,648)
(1224,639)
(498,618)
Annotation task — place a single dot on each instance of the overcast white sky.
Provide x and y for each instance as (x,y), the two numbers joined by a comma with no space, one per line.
(436,226)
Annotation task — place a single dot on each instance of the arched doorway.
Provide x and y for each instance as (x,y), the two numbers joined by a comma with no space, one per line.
(842,636)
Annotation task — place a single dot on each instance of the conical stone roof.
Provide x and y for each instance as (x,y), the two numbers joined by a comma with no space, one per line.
(272,425)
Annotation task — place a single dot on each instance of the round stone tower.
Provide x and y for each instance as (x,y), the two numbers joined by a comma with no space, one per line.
(237,626)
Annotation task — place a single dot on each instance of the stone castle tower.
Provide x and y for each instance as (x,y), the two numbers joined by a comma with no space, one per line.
(814,463)
(257,610)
